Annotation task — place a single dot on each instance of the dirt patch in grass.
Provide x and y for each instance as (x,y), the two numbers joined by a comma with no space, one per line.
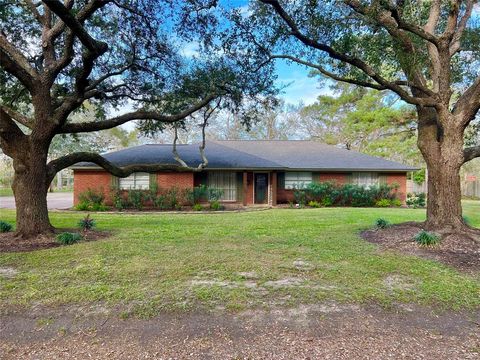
(455,250)
(9,242)
(322,331)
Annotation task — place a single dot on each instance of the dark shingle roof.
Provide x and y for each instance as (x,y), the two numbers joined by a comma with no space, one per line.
(253,154)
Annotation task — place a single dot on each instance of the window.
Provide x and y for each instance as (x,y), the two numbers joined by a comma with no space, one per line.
(224,181)
(366,179)
(136,181)
(297,180)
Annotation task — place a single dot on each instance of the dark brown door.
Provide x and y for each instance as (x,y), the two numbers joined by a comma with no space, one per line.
(261,188)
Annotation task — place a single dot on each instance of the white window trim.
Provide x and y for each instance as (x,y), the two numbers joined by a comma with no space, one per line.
(366,179)
(298,179)
(135,181)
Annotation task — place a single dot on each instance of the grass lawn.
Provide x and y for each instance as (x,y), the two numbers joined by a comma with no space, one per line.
(9,192)
(157,262)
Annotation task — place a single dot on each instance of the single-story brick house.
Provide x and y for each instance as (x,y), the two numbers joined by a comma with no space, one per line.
(248,172)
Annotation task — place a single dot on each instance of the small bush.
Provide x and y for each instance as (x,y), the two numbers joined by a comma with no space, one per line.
(416,200)
(383,203)
(326,202)
(382,223)
(396,202)
(91,200)
(197,207)
(68,238)
(92,196)
(118,200)
(136,198)
(215,206)
(82,206)
(314,204)
(99,207)
(5,227)
(426,238)
(87,223)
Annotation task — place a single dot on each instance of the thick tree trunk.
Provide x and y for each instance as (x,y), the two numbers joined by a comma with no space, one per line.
(30,190)
(442,149)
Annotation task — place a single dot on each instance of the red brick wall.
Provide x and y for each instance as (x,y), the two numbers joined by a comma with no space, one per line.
(181,180)
(91,179)
(400,179)
(339,178)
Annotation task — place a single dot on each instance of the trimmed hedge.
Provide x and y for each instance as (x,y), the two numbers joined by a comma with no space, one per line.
(331,194)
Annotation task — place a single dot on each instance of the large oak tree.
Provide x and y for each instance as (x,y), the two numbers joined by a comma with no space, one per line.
(120,55)
(426,52)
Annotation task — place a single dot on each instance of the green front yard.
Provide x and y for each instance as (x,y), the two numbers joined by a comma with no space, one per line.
(283,257)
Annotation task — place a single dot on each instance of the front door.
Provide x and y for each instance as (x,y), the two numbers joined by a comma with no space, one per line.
(261,188)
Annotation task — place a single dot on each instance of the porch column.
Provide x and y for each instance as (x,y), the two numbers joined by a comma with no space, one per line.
(273,185)
(244,189)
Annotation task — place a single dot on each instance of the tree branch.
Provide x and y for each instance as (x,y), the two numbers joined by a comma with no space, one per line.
(15,115)
(356,62)
(16,64)
(94,46)
(11,136)
(471,153)
(64,162)
(136,115)
(455,43)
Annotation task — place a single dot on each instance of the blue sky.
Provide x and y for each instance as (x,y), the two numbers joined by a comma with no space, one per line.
(301,87)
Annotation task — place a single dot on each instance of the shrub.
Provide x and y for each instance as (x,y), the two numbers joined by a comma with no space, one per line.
(99,207)
(416,200)
(136,198)
(383,203)
(215,205)
(328,194)
(91,200)
(68,238)
(382,223)
(92,196)
(197,207)
(214,194)
(426,238)
(87,223)
(118,200)
(396,202)
(82,206)
(327,202)
(314,204)
(5,227)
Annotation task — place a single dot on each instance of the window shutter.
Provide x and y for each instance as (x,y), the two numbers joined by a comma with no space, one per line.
(316,177)
(239,186)
(281,180)
(349,178)
(382,179)
(115,182)
(153,182)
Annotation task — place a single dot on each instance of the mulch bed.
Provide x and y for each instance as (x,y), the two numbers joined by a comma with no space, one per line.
(456,251)
(9,242)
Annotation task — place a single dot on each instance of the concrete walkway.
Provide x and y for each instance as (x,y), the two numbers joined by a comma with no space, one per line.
(61,200)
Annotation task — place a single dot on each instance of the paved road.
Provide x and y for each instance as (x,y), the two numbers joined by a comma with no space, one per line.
(55,201)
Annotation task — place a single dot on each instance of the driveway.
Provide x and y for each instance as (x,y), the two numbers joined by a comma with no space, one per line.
(61,200)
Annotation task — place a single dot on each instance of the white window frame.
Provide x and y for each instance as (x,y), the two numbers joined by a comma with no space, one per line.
(135,181)
(366,179)
(298,179)
(225,181)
